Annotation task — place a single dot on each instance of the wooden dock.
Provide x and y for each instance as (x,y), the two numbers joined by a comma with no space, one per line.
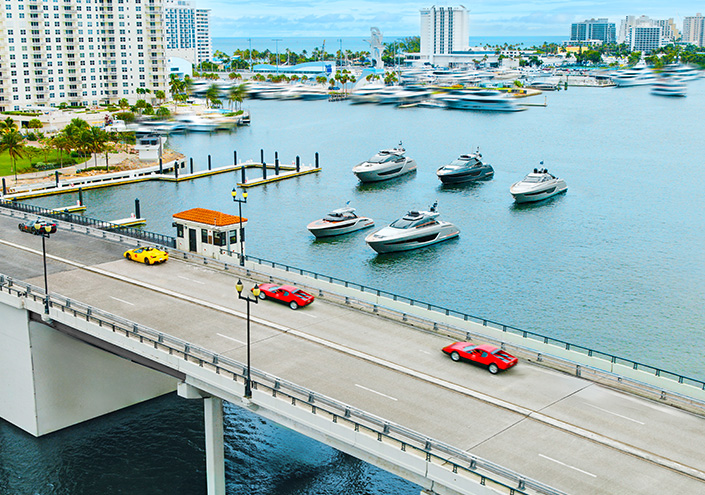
(129,222)
(69,209)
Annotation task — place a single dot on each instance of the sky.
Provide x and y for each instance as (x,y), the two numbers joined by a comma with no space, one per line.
(308,18)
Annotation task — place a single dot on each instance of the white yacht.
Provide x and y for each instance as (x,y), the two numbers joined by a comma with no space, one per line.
(668,86)
(465,168)
(338,222)
(682,71)
(636,76)
(486,100)
(537,186)
(386,164)
(414,230)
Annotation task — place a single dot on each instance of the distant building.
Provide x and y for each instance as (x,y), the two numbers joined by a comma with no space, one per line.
(187,31)
(594,29)
(80,52)
(694,30)
(642,34)
(669,31)
(444,30)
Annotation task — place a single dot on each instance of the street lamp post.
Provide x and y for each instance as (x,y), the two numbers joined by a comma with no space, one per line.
(241,233)
(255,292)
(43,230)
(276,43)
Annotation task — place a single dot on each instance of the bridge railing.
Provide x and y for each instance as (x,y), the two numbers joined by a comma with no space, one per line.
(73,219)
(440,454)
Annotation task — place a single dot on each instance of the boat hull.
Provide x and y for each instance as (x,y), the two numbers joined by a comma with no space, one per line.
(320,228)
(539,194)
(416,241)
(466,176)
(388,171)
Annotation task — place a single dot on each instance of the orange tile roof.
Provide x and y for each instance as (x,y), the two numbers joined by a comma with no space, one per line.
(209,217)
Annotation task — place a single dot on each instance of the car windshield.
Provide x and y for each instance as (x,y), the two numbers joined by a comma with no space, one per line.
(469,348)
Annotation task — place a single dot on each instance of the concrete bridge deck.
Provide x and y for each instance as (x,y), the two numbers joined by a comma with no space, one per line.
(569,433)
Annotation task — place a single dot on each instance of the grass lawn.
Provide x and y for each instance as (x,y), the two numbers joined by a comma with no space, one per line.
(23,164)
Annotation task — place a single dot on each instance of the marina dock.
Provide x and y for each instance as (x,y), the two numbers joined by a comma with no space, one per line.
(132,221)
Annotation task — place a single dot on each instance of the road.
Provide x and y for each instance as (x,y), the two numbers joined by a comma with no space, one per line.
(561,430)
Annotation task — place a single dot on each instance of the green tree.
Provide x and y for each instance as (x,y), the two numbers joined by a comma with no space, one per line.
(12,142)
(237,95)
(634,58)
(93,140)
(35,124)
(8,125)
(212,95)
(163,112)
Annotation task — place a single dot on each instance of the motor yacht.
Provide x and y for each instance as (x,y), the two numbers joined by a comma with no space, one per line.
(386,164)
(414,230)
(465,168)
(682,71)
(636,76)
(338,222)
(669,86)
(482,99)
(537,186)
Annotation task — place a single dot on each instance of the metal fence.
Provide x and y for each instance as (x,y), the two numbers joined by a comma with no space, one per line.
(152,237)
(451,458)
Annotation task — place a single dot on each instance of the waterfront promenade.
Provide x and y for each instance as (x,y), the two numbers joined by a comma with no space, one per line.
(569,433)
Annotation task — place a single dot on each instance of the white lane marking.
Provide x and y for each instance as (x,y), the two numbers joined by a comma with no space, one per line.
(310,316)
(568,465)
(613,413)
(230,338)
(191,280)
(122,301)
(375,392)
(425,352)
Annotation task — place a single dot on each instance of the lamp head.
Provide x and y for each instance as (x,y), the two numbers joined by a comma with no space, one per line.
(37,227)
(244,194)
(234,193)
(48,229)
(256,290)
(238,286)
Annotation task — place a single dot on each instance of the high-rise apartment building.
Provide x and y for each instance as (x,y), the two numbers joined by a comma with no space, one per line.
(187,31)
(79,52)
(669,31)
(642,34)
(444,30)
(694,29)
(593,29)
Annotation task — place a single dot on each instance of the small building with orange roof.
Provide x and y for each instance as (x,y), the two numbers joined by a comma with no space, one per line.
(210,233)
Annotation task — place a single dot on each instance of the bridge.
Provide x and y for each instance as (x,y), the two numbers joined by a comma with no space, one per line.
(356,370)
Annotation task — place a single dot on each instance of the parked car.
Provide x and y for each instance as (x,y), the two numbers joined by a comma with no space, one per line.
(147,255)
(288,294)
(494,358)
(37,226)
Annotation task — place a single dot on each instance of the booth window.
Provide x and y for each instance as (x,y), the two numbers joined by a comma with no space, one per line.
(233,236)
(204,236)
(179,230)
(219,238)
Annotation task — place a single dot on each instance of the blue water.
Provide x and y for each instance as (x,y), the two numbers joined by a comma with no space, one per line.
(356,43)
(616,263)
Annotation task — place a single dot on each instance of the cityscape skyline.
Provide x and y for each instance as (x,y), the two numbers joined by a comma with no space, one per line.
(487,18)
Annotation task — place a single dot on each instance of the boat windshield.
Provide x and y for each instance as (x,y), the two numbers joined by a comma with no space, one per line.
(466,162)
(382,157)
(335,216)
(412,220)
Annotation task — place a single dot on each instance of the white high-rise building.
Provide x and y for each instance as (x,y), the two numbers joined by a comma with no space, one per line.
(642,34)
(80,52)
(444,30)
(187,31)
(694,29)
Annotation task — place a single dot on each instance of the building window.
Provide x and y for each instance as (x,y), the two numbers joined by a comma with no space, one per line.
(204,236)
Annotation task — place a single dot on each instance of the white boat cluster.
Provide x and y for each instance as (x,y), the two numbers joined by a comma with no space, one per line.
(419,228)
(670,81)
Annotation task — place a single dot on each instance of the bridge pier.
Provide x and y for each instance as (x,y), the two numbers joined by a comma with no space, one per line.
(215,449)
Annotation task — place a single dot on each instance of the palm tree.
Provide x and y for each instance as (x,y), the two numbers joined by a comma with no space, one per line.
(93,140)
(237,94)
(61,143)
(159,95)
(123,104)
(12,142)
(7,125)
(212,94)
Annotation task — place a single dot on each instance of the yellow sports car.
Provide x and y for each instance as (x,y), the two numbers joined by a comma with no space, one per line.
(147,255)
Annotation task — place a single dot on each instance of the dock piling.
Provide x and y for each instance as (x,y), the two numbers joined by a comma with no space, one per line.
(242,173)
(276,163)
(298,163)
(56,177)
(137,208)
(261,155)
(317,164)
(264,170)
(176,172)
(161,167)
(4,187)
(80,196)
(209,162)
(190,160)
(234,157)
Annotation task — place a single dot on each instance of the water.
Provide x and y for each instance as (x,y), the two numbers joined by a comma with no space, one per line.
(356,43)
(616,263)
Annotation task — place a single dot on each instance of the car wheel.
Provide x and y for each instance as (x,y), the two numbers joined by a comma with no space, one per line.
(455,356)
(147,262)
(493,368)
(128,256)
(262,295)
(293,305)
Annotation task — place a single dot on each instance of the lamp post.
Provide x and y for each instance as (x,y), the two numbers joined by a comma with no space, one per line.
(43,230)
(276,42)
(242,232)
(255,292)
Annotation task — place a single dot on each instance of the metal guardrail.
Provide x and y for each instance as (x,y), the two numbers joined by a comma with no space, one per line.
(152,237)
(407,440)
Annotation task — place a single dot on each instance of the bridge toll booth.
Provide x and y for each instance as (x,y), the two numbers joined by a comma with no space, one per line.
(210,233)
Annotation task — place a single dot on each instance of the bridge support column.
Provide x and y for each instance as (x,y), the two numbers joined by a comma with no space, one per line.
(215,450)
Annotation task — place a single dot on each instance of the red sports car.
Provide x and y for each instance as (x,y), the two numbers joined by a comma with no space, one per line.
(492,357)
(288,294)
